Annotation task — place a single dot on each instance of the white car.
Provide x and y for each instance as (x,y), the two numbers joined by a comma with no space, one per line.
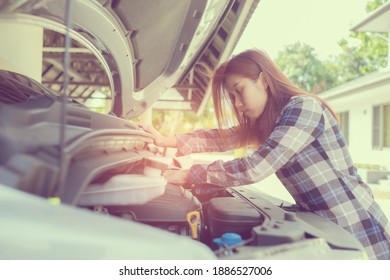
(79,184)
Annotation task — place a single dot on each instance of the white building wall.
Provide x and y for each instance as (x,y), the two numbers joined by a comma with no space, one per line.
(359,103)
(360,127)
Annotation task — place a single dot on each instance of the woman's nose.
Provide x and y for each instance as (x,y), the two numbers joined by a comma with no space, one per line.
(238,103)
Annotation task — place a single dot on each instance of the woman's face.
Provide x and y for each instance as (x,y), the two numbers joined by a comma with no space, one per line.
(250,97)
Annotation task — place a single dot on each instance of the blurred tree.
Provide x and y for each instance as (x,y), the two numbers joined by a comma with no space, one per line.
(363,52)
(169,122)
(374,4)
(299,62)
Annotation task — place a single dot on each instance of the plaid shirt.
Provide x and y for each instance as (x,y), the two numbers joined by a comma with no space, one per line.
(310,157)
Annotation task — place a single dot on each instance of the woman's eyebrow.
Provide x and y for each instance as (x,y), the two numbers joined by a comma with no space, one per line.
(231,89)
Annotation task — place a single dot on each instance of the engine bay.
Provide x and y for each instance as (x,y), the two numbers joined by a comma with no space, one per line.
(204,213)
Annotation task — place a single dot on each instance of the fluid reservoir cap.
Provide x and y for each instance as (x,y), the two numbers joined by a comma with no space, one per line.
(228,239)
(288,216)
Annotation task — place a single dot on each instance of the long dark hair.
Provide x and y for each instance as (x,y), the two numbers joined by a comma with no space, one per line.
(280,89)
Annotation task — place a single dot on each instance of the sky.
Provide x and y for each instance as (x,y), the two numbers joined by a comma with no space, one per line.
(318,23)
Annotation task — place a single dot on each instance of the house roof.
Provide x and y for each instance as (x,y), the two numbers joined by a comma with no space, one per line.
(357,85)
(377,21)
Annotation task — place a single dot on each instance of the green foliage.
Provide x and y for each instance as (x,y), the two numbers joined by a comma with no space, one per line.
(358,60)
(366,55)
(374,4)
(169,122)
(362,53)
(300,63)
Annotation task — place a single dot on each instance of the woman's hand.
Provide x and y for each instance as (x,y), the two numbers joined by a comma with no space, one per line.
(159,140)
(176,177)
(150,129)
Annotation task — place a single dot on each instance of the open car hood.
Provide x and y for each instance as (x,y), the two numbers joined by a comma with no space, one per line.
(145,47)
(79,184)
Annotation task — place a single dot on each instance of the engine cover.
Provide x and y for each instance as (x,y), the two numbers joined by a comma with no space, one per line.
(168,211)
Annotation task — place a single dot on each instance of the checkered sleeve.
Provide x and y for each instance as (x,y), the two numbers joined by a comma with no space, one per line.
(299,123)
(212,140)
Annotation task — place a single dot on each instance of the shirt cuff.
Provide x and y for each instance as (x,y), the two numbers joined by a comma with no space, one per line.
(197,174)
(183,148)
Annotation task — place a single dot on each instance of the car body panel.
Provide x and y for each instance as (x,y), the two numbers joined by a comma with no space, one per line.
(54,149)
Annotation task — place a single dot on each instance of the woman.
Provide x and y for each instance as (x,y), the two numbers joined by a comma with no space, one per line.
(295,134)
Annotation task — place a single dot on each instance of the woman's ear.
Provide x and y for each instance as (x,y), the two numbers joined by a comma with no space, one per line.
(263,81)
